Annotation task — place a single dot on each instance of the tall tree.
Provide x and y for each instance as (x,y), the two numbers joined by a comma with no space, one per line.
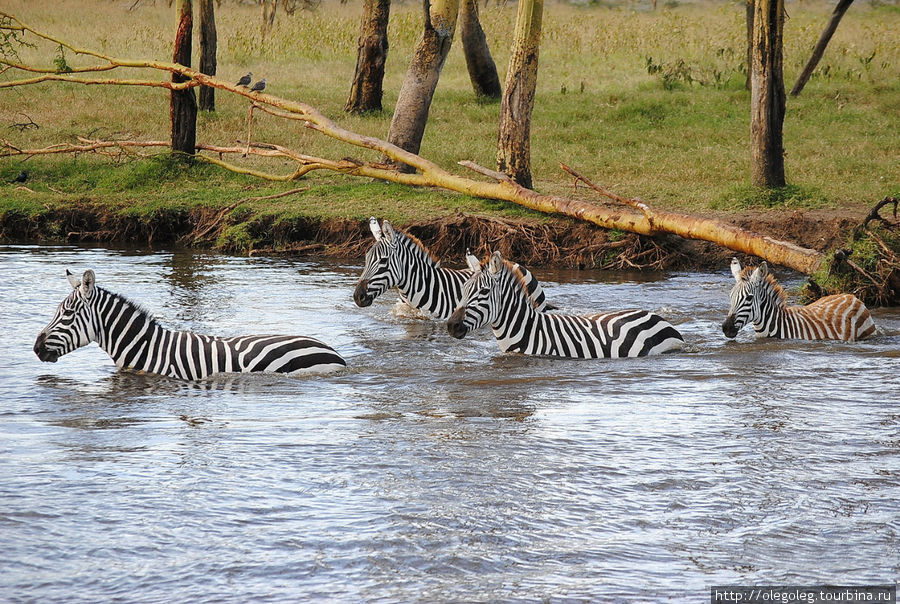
(183,103)
(836,16)
(366,91)
(482,70)
(513,141)
(208,43)
(767,97)
(414,102)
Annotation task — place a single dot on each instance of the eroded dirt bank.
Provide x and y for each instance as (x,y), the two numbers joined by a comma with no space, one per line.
(556,241)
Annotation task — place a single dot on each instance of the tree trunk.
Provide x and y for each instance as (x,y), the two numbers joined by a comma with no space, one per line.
(208,43)
(414,102)
(767,98)
(366,90)
(268,14)
(183,103)
(749,7)
(819,50)
(482,70)
(513,141)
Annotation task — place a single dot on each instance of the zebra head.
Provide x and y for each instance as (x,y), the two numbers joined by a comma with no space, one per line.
(480,303)
(745,298)
(72,326)
(380,273)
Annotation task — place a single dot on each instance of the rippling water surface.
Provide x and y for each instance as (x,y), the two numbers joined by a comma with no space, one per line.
(434,469)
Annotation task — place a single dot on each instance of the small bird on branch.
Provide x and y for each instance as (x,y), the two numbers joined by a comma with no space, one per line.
(22,177)
(259,86)
(245,80)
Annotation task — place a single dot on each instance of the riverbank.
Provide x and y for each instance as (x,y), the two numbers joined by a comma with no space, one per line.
(261,225)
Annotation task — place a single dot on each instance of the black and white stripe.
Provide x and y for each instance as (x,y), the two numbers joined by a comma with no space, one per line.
(495,296)
(400,260)
(757,298)
(136,341)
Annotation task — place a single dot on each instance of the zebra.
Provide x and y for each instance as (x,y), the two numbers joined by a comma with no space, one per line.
(401,260)
(136,341)
(758,298)
(496,296)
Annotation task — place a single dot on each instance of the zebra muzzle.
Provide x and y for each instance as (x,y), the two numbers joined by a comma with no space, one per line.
(456,325)
(361,294)
(729,328)
(40,349)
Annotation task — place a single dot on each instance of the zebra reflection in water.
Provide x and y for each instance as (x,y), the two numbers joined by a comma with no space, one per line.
(758,298)
(494,295)
(136,341)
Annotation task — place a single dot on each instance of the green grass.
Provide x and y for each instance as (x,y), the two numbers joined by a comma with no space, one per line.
(649,104)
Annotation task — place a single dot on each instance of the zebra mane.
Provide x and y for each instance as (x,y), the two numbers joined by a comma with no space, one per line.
(771,285)
(420,245)
(520,279)
(139,308)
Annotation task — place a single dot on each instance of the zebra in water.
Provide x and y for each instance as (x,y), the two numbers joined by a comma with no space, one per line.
(398,259)
(496,296)
(758,298)
(136,341)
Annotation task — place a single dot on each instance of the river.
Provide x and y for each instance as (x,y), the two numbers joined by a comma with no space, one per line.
(434,469)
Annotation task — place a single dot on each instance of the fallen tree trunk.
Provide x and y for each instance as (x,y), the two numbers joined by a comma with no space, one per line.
(727,235)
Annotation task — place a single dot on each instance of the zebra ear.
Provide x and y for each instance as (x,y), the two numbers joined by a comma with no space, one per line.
(87,283)
(761,271)
(373,226)
(73,280)
(472,261)
(495,263)
(387,230)
(736,269)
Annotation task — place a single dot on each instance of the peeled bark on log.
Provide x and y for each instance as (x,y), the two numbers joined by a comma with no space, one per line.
(821,45)
(767,98)
(479,62)
(183,103)
(414,102)
(366,91)
(513,139)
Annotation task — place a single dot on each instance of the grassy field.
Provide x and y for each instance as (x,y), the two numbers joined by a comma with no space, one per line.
(649,103)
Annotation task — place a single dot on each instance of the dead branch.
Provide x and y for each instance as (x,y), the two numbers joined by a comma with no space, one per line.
(875,213)
(23,126)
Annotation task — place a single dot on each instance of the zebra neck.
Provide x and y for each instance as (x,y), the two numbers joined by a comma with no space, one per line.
(422,283)
(517,313)
(774,313)
(125,330)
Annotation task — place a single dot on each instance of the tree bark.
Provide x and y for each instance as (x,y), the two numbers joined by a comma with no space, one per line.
(269,7)
(767,97)
(513,140)
(414,102)
(482,70)
(749,8)
(819,50)
(208,44)
(183,103)
(366,91)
